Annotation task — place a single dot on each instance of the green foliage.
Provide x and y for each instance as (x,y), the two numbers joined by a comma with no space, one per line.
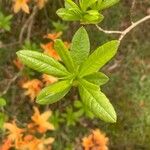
(5,21)
(30,45)
(97,78)
(65,55)
(2,119)
(83,109)
(80,47)
(74,72)
(96,101)
(56,119)
(2,115)
(59,26)
(42,63)
(54,92)
(103,4)
(2,102)
(99,58)
(71,117)
(86,11)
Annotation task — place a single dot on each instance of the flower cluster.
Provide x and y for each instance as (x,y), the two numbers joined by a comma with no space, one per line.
(26,138)
(95,141)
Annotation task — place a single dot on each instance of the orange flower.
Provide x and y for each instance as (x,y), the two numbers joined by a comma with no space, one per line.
(41,121)
(53,36)
(49,49)
(41,3)
(6,145)
(45,144)
(48,79)
(33,88)
(95,141)
(21,5)
(33,143)
(15,134)
(29,143)
(18,63)
(14,131)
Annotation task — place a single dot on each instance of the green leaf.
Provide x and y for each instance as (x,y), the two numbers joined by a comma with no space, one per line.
(5,21)
(107,3)
(42,63)
(97,78)
(99,58)
(96,101)
(92,17)
(72,14)
(96,5)
(59,26)
(2,102)
(85,4)
(2,120)
(80,47)
(64,53)
(56,119)
(71,117)
(83,109)
(70,4)
(53,92)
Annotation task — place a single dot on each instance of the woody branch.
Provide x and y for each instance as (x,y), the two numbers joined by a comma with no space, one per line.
(127,30)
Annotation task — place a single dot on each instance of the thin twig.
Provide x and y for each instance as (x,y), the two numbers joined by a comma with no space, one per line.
(9,45)
(26,24)
(10,82)
(107,31)
(127,30)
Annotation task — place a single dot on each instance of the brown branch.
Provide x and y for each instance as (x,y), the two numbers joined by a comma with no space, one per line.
(10,83)
(127,30)
(9,45)
(27,24)
(108,31)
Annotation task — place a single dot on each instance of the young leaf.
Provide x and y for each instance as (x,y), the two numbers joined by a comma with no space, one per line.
(96,5)
(97,78)
(96,101)
(72,14)
(107,3)
(54,92)
(70,4)
(80,47)
(99,58)
(85,4)
(64,53)
(92,17)
(42,63)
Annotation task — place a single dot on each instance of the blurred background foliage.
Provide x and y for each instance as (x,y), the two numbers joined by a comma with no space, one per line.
(129,72)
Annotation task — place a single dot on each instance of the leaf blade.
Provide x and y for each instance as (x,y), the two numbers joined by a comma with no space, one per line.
(97,102)
(85,4)
(71,14)
(97,78)
(107,3)
(99,58)
(65,55)
(54,92)
(42,63)
(80,47)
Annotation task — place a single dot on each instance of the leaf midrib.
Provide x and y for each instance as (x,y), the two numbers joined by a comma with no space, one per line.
(96,100)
